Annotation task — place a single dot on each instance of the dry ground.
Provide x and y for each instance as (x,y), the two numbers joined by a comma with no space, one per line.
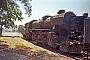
(17,45)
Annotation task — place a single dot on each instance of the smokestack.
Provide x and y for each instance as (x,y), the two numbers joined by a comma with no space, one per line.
(61,11)
(85,15)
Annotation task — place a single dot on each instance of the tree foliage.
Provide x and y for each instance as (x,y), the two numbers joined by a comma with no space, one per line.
(27,6)
(10,12)
(20,27)
(26,3)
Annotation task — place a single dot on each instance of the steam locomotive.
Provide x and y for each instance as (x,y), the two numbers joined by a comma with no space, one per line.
(64,31)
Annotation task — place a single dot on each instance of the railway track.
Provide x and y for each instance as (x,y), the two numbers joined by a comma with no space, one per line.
(82,56)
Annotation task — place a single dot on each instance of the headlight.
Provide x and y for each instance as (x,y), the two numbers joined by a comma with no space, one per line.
(79,36)
(78,42)
(71,43)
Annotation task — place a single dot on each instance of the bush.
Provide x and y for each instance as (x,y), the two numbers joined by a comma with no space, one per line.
(35,42)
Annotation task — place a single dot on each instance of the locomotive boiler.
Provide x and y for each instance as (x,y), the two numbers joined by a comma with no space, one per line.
(64,31)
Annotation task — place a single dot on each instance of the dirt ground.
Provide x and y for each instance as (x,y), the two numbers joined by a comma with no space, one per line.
(24,50)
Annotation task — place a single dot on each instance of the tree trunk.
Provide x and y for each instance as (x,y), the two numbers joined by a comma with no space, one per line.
(1,30)
(1,3)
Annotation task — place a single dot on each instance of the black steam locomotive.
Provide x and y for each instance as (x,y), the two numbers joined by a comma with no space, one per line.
(64,31)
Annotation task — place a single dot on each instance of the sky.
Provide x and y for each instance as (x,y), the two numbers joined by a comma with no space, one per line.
(41,8)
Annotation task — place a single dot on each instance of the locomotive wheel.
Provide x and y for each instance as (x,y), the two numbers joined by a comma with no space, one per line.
(63,48)
(75,50)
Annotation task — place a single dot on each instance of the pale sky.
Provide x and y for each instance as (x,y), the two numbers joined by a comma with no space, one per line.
(41,8)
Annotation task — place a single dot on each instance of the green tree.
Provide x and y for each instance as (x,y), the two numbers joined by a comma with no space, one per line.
(14,28)
(26,4)
(20,27)
(10,12)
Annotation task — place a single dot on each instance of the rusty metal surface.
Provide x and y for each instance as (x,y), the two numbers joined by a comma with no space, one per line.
(87,30)
(47,23)
(35,24)
(57,19)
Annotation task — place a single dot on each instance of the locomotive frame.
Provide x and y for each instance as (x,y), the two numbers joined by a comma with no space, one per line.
(68,36)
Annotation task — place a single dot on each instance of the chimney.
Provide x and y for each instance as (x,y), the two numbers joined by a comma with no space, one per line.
(61,11)
(85,15)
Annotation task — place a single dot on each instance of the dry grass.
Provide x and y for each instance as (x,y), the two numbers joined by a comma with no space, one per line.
(17,45)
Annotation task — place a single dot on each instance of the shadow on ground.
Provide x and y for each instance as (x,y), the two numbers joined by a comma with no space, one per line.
(3,46)
(74,56)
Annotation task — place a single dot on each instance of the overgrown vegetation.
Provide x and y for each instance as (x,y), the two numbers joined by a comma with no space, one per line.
(35,42)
